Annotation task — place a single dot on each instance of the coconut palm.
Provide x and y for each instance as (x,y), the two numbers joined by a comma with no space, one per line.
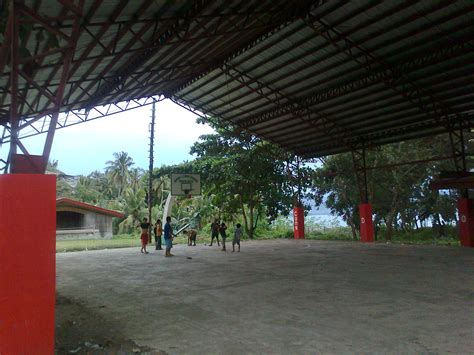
(134,208)
(119,170)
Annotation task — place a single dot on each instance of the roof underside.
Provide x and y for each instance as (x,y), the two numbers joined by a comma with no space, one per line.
(315,77)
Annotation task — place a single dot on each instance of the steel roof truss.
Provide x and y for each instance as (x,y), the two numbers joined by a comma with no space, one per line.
(410,90)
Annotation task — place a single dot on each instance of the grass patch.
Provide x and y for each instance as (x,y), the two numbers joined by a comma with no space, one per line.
(329,235)
(425,236)
(95,244)
(118,241)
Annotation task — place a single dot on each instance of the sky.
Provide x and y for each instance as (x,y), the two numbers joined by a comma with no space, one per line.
(86,147)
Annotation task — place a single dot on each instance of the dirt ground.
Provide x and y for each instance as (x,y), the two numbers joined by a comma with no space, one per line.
(278,297)
(80,330)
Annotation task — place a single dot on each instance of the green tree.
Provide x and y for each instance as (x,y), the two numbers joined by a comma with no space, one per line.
(64,182)
(335,184)
(86,191)
(119,170)
(243,173)
(134,207)
(398,193)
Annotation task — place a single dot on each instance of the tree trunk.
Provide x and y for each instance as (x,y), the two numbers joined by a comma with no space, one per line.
(246,224)
(440,226)
(390,216)
(251,229)
(389,224)
(349,220)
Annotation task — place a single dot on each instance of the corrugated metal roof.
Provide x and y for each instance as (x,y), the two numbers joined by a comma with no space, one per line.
(315,77)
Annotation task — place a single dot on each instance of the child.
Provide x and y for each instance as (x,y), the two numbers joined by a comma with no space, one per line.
(168,234)
(237,235)
(158,231)
(222,230)
(144,236)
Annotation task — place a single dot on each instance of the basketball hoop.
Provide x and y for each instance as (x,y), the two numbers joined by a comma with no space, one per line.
(185,185)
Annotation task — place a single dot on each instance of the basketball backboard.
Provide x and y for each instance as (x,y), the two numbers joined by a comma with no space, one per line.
(185,184)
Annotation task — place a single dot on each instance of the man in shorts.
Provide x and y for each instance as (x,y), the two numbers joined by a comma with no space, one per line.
(215,232)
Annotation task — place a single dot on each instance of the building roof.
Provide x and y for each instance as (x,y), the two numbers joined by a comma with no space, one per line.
(67,202)
(315,77)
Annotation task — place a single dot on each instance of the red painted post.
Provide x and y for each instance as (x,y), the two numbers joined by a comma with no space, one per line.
(366,224)
(27,263)
(298,216)
(466,222)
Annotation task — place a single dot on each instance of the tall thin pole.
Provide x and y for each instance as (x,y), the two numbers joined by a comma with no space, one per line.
(150,168)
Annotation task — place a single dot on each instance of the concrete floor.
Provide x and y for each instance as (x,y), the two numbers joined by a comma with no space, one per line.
(282,297)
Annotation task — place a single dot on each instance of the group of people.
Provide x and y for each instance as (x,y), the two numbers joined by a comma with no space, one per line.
(167,233)
(158,231)
(221,229)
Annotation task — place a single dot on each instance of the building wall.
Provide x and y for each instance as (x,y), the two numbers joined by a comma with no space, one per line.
(74,223)
(101,222)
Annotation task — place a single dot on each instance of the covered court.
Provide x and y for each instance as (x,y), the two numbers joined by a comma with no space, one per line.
(280,297)
(314,77)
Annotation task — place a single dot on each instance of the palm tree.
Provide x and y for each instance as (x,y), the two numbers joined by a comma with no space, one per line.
(134,208)
(119,170)
(136,175)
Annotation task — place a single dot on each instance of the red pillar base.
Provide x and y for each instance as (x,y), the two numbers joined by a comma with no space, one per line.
(466,222)
(366,224)
(27,263)
(298,217)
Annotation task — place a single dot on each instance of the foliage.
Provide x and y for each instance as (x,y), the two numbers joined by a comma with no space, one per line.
(119,170)
(244,174)
(134,208)
(400,194)
(248,181)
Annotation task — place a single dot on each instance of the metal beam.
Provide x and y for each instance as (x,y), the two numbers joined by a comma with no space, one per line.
(315,59)
(374,77)
(309,117)
(395,117)
(398,81)
(241,29)
(280,18)
(40,125)
(165,35)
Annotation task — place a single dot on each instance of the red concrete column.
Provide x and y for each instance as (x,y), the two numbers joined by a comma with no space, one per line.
(27,263)
(466,222)
(366,224)
(298,217)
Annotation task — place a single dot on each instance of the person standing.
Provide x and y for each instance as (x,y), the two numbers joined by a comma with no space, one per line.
(168,235)
(144,236)
(222,231)
(215,232)
(237,235)
(158,230)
